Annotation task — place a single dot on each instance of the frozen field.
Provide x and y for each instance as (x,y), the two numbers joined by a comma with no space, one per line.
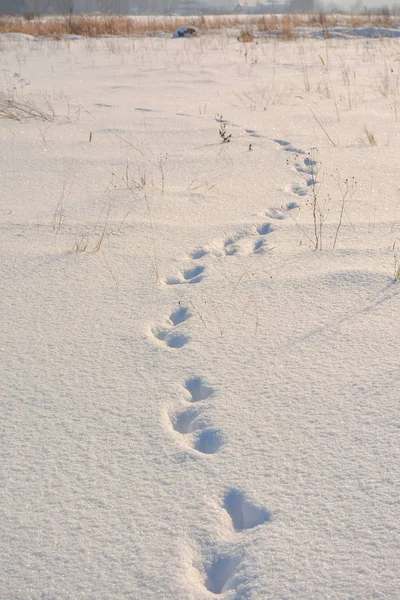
(200,338)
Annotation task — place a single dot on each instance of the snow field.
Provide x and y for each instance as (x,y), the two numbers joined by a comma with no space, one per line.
(197,403)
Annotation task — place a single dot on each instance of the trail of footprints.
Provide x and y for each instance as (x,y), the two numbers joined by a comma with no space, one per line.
(221,569)
(242,242)
(169,334)
(302,164)
(190,275)
(253,240)
(245,242)
(191,421)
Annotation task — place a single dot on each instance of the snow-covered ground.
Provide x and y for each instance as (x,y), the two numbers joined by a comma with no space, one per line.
(195,401)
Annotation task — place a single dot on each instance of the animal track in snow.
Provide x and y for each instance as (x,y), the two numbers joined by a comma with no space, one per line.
(264,229)
(306,167)
(244,514)
(179,315)
(287,146)
(209,441)
(259,246)
(191,275)
(191,423)
(171,339)
(220,574)
(198,389)
(167,334)
(145,109)
(253,133)
(280,212)
(307,170)
(185,422)
(299,190)
(222,571)
(241,242)
(199,253)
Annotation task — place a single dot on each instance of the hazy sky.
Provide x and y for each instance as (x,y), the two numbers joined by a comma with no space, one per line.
(347,4)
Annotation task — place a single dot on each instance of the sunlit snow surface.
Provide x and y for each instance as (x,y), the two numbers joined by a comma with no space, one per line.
(195,402)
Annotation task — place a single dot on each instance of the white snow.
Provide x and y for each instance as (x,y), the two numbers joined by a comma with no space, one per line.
(196,402)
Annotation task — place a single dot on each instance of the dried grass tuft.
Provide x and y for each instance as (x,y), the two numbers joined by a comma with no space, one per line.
(246,36)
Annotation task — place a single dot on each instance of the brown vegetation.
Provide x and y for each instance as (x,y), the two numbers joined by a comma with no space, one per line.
(92,26)
(246,36)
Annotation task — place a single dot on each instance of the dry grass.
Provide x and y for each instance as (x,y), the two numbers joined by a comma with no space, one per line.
(18,109)
(246,36)
(92,26)
(370,136)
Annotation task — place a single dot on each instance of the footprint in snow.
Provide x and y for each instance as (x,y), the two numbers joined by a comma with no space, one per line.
(220,574)
(299,190)
(264,229)
(253,133)
(259,246)
(192,424)
(244,513)
(287,146)
(309,162)
(306,168)
(198,389)
(280,212)
(167,334)
(186,421)
(243,242)
(209,441)
(230,246)
(172,340)
(199,253)
(191,275)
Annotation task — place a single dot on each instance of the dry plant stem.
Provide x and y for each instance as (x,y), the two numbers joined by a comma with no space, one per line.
(301,228)
(59,213)
(317,212)
(313,174)
(245,272)
(161,163)
(101,239)
(18,110)
(225,137)
(246,36)
(109,268)
(304,68)
(250,301)
(322,127)
(198,313)
(396,274)
(347,190)
(141,185)
(82,244)
(370,136)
